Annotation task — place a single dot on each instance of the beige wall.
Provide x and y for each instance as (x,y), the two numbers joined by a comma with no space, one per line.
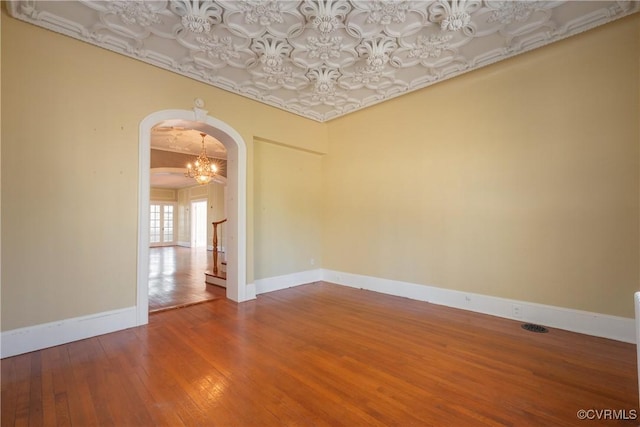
(216,212)
(163,195)
(73,232)
(1,17)
(184,220)
(288,209)
(185,197)
(520,180)
(214,194)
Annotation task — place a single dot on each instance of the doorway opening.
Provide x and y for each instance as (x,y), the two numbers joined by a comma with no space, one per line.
(176,276)
(237,289)
(199,224)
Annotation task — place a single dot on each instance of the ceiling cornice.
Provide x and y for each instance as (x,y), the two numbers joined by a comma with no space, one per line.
(320,59)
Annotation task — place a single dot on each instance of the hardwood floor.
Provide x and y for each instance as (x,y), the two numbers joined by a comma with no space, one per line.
(176,277)
(322,355)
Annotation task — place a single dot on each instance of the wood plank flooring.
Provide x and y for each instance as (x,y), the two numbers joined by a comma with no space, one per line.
(322,355)
(176,277)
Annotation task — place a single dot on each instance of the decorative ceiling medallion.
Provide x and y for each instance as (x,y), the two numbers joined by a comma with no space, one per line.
(454,15)
(320,58)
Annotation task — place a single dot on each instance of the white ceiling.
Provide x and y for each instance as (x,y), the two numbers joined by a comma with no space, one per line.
(320,59)
(180,136)
(185,137)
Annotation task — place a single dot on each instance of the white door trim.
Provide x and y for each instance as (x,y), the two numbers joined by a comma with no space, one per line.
(237,188)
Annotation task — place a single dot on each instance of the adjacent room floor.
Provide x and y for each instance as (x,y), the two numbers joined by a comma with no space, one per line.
(176,277)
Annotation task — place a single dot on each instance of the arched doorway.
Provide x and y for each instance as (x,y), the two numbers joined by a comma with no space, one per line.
(237,202)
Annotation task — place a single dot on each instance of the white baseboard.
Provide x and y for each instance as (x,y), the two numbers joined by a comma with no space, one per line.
(250,292)
(287,281)
(184,244)
(24,340)
(584,322)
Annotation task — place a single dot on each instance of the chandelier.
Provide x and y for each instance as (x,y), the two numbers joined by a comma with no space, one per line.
(202,170)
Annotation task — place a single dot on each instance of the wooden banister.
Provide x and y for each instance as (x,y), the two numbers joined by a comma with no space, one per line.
(215,245)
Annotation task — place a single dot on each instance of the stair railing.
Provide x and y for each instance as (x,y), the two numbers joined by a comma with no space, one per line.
(215,245)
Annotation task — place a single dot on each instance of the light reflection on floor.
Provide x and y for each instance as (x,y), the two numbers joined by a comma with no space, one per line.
(176,277)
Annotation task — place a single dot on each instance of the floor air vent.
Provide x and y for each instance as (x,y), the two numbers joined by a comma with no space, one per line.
(535,328)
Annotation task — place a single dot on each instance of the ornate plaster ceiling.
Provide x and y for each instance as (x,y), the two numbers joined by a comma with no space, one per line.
(320,59)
